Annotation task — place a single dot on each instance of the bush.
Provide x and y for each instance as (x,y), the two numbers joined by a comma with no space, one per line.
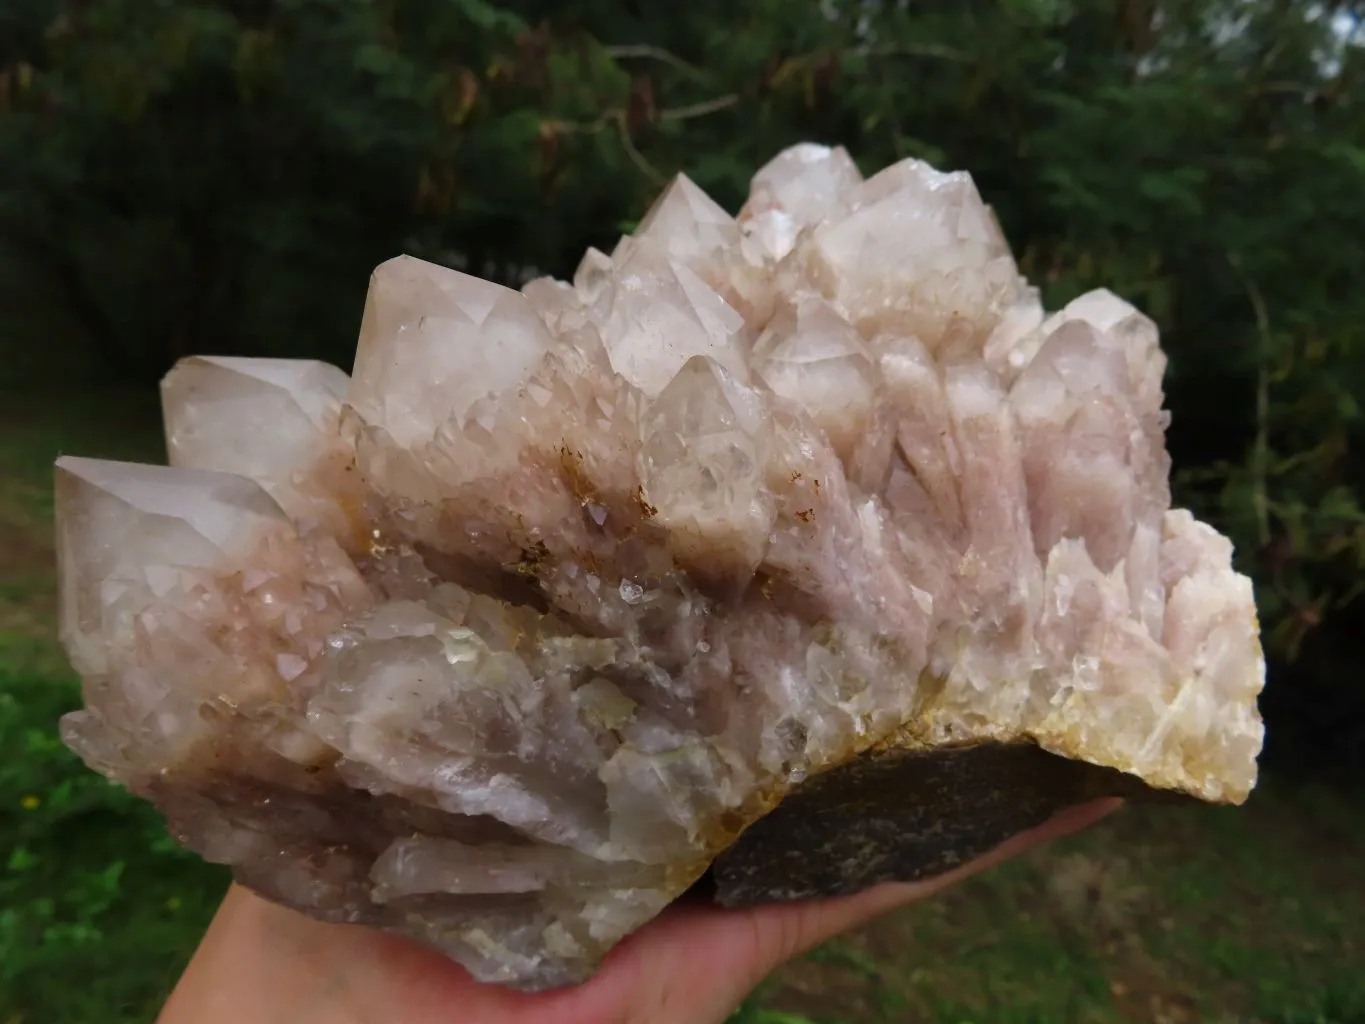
(191,175)
(220,175)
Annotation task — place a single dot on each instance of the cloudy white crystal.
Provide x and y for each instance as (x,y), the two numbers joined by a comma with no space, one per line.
(273,420)
(794,191)
(433,341)
(814,358)
(511,633)
(656,314)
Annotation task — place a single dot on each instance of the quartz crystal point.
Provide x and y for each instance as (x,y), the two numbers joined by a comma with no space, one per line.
(273,420)
(801,550)
(795,190)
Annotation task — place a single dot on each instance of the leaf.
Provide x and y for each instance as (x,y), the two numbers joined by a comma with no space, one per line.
(1172,190)
(1352,156)
(490,17)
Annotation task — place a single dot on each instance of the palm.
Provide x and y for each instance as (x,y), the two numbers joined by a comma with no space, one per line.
(262,964)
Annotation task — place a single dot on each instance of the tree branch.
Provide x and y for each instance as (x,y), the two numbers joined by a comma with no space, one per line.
(644,51)
(617,118)
(1260,457)
(699,109)
(636,157)
(931,50)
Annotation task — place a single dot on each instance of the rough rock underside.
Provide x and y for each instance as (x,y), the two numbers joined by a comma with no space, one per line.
(506,638)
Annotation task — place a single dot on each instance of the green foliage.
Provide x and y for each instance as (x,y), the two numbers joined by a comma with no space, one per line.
(99,909)
(200,175)
(753,1012)
(221,175)
(1161,913)
(1335,1006)
(84,865)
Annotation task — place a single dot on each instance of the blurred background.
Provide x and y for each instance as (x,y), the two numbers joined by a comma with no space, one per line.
(220,176)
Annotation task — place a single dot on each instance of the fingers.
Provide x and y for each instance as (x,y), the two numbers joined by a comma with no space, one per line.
(262,963)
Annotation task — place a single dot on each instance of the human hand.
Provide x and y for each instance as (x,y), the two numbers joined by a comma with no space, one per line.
(261,963)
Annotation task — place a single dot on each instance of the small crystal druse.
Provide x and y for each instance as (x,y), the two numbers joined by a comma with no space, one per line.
(803,547)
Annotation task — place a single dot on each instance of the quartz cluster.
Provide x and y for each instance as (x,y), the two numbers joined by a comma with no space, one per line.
(501,640)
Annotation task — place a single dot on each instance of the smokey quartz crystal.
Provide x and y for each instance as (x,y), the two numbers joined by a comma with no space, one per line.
(788,552)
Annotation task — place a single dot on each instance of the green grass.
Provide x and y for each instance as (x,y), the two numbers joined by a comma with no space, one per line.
(1161,914)
(98,907)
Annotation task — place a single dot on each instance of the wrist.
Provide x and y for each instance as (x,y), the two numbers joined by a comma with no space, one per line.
(260,963)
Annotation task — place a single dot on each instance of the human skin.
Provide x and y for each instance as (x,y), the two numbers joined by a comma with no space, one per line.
(261,963)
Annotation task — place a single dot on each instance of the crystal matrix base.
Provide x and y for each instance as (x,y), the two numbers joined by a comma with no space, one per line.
(838,833)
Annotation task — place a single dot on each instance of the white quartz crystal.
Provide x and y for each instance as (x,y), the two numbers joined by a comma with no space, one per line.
(656,313)
(795,190)
(433,341)
(500,640)
(273,420)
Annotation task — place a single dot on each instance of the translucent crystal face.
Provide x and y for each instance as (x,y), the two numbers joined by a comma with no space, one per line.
(500,639)
(433,341)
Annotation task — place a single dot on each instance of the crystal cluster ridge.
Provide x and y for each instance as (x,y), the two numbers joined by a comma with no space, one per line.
(500,640)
